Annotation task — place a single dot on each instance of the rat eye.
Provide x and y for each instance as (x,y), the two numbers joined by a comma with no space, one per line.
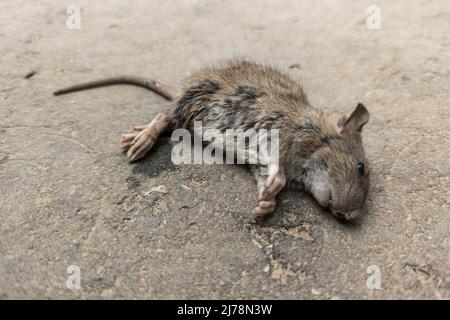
(360,167)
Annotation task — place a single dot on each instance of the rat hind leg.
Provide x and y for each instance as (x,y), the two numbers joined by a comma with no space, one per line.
(138,144)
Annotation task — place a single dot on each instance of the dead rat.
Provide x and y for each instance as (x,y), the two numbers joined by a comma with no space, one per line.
(322,153)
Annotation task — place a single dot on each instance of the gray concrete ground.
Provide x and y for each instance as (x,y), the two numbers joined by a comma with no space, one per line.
(69,197)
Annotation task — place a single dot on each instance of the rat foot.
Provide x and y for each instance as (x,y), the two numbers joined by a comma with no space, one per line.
(139,144)
(127,138)
(264,208)
(268,189)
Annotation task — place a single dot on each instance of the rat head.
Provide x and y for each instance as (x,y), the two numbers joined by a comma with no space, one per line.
(337,174)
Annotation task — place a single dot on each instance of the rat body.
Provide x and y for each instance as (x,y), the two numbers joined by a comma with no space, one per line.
(323,153)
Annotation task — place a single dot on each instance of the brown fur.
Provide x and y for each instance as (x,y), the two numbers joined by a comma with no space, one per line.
(323,153)
(308,138)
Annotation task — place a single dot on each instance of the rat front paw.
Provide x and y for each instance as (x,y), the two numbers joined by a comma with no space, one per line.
(272,187)
(264,208)
(126,139)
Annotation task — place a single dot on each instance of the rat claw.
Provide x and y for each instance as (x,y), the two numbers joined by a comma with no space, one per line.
(125,140)
(140,128)
(267,204)
(128,136)
(137,137)
(259,212)
(264,208)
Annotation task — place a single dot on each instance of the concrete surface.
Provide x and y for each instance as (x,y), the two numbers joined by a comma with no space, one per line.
(69,197)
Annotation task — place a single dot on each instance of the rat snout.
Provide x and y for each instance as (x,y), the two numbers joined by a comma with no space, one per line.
(346,215)
(344,207)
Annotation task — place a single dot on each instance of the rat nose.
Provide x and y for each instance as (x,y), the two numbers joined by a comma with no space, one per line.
(347,215)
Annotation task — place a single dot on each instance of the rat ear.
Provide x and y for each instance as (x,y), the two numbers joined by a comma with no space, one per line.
(357,120)
(338,119)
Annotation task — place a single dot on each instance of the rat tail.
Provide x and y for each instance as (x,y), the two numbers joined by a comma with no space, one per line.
(153,85)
